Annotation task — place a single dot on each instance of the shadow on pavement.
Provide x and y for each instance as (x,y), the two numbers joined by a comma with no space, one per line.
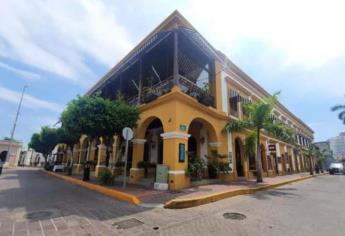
(279,192)
(35,196)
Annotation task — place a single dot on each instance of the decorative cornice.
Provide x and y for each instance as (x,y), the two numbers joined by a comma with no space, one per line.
(136,169)
(102,146)
(215,144)
(138,141)
(175,134)
(176,172)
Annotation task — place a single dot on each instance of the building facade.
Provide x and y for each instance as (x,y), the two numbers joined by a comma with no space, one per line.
(31,158)
(337,145)
(12,159)
(187,92)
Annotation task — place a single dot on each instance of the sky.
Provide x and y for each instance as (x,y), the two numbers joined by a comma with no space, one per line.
(61,48)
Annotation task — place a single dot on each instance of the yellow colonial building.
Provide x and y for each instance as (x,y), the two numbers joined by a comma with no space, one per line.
(187,91)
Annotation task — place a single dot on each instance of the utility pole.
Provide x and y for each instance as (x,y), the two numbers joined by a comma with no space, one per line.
(15,122)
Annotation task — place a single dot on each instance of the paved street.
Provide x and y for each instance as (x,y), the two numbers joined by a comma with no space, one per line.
(32,203)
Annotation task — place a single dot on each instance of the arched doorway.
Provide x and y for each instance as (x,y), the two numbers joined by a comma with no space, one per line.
(201,134)
(153,148)
(3,156)
(192,146)
(263,158)
(238,157)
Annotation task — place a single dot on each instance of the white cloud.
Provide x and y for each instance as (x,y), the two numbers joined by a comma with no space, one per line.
(23,73)
(307,32)
(28,101)
(57,36)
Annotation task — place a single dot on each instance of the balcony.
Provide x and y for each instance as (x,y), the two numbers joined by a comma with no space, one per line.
(149,94)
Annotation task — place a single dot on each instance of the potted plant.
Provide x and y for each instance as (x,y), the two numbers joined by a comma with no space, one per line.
(215,164)
(105,177)
(195,168)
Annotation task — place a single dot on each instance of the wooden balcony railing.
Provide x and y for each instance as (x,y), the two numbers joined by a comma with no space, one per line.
(161,88)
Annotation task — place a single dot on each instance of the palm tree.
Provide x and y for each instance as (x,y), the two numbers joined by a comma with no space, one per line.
(311,152)
(341,114)
(259,117)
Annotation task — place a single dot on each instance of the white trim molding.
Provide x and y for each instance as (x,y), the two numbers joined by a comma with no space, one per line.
(215,144)
(138,141)
(176,172)
(103,166)
(136,169)
(175,134)
(102,146)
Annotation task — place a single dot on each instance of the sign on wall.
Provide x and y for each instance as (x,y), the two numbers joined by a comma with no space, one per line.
(161,173)
(182,152)
(183,127)
(272,147)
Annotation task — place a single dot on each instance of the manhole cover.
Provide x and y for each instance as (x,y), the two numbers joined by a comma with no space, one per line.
(126,224)
(38,215)
(234,216)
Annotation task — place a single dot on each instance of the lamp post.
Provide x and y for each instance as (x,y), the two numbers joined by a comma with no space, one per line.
(15,123)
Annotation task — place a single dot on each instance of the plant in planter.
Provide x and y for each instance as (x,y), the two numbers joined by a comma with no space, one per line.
(144,165)
(105,177)
(216,164)
(195,168)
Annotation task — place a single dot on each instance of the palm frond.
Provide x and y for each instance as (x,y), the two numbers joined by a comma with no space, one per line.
(280,131)
(338,107)
(238,125)
(341,115)
(250,144)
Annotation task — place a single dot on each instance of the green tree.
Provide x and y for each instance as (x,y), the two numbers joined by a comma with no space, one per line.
(258,119)
(96,116)
(44,141)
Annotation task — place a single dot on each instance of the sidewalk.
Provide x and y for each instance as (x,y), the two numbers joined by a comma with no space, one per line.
(184,198)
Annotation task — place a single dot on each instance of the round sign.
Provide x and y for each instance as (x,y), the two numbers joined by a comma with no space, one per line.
(127,133)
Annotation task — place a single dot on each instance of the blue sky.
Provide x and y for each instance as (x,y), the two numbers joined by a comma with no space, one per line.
(60,48)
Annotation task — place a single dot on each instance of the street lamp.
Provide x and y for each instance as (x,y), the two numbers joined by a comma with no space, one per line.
(15,123)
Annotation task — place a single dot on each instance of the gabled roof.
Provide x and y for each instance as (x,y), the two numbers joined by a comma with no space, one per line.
(176,20)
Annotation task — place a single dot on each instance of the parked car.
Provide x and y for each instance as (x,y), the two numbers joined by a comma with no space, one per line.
(336,168)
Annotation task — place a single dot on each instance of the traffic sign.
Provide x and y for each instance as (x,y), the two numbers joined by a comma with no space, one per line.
(127,133)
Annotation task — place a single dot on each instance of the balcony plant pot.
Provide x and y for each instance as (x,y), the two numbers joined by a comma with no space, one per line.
(206,100)
(150,97)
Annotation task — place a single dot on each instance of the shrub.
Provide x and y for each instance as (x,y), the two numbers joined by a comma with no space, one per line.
(195,168)
(105,177)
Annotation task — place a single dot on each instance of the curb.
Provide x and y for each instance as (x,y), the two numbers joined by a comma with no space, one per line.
(197,201)
(97,188)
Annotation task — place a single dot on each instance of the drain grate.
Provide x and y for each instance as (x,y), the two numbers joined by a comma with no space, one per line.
(234,216)
(38,215)
(126,224)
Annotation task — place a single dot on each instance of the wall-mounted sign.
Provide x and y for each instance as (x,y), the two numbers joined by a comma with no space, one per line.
(272,147)
(182,152)
(161,173)
(183,127)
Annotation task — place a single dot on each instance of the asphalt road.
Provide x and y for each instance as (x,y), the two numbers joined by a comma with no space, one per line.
(32,203)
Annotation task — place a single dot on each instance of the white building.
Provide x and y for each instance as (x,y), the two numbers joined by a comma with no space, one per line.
(337,145)
(31,158)
(13,158)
